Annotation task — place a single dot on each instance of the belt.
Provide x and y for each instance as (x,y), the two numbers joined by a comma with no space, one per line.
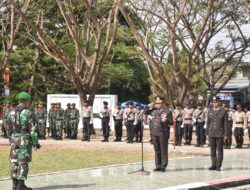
(200,122)
(59,119)
(106,117)
(239,122)
(86,117)
(187,118)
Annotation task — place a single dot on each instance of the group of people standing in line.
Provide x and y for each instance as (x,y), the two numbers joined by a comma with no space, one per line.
(216,121)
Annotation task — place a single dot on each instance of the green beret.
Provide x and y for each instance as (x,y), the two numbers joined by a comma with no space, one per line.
(24,96)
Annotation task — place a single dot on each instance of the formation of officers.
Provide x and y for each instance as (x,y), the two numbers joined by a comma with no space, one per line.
(65,122)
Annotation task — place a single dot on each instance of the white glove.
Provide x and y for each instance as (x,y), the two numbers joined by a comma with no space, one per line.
(182,126)
(205,126)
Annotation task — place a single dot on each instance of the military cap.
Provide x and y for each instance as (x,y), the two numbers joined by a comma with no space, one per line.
(24,96)
(105,103)
(68,104)
(199,103)
(226,106)
(129,103)
(73,104)
(118,103)
(159,100)
(216,99)
(138,104)
(59,103)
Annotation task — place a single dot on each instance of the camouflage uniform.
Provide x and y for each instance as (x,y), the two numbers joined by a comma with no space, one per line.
(41,115)
(67,121)
(24,136)
(74,121)
(52,125)
(59,121)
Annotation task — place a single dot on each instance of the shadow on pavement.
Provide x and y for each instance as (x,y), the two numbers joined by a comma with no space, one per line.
(63,187)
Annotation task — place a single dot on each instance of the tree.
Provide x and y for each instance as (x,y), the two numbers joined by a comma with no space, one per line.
(168,26)
(87,27)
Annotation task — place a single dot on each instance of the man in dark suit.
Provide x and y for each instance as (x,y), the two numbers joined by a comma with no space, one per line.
(161,120)
(217,131)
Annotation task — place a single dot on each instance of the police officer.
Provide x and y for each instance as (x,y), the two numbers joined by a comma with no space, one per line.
(199,121)
(87,120)
(105,114)
(67,121)
(162,119)
(230,113)
(217,129)
(239,119)
(178,123)
(129,116)
(74,121)
(138,127)
(24,136)
(118,118)
(188,123)
(149,118)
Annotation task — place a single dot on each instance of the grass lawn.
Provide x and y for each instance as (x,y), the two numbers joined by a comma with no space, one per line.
(63,159)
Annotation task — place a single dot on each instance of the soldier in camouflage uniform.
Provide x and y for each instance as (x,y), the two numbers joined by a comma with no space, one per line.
(74,121)
(59,121)
(23,138)
(41,115)
(51,115)
(67,121)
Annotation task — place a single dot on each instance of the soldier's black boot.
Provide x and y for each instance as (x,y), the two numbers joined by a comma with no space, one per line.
(104,140)
(15,182)
(22,186)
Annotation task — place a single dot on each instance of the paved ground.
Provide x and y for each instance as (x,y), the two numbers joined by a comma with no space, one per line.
(180,171)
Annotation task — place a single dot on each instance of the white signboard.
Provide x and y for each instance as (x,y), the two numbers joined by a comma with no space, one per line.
(64,99)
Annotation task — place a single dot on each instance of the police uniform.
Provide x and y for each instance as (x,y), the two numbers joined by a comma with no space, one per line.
(217,129)
(188,124)
(178,123)
(228,141)
(118,118)
(239,122)
(162,119)
(138,127)
(129,116)
(199,121)
(87,120)
(105,114)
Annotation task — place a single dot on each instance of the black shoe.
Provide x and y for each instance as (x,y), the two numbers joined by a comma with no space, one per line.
(116,140)
(218,169)
(212,168)
(15,183)
(163,169)
(197,145)
(84,140)
(104,140)
(201,145)
(157,169)
(22,186)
